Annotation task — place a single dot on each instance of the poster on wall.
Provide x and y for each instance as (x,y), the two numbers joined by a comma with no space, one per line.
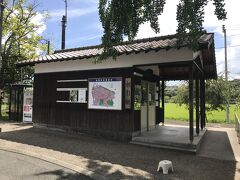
(105,93)
(82,95)
(27,105)
(128,93)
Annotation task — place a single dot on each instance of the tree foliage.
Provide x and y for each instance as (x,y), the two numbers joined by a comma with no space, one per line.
(123,18)
(20,40)
(218,93)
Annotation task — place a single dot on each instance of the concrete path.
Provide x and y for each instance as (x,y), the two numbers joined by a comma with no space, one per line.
(105,159)
(174,137)
(18,166)
(220,143)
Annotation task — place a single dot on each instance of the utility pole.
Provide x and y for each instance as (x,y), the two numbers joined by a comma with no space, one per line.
(1,23)
(225,47)
(226,70)
(64,23)
(48,47)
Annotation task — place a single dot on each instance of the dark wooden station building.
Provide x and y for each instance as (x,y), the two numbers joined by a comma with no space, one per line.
(124,97)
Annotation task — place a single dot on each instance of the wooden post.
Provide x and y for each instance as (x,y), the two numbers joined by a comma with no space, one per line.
(163,110)
(10,104)
(197,105)
(158,118)
(202,101)
(191,102)
(204,104)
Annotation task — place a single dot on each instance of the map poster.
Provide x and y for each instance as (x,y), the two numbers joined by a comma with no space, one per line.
(105,93)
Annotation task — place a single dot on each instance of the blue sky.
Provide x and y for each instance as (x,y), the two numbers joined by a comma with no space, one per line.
(84,27)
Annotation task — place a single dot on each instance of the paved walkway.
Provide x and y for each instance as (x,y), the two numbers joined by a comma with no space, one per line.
(105,159)
(18,166)
(221,143)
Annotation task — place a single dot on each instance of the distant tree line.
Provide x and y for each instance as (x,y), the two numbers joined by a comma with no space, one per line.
(218,93)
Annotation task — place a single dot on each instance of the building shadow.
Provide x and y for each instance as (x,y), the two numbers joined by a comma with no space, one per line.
(107,157)
(216,144)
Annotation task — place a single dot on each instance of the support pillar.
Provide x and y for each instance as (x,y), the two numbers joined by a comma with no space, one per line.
(191,102)
(197,105)
(163,103)
(202,102)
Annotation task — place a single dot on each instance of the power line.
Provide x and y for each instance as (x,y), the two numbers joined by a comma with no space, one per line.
(233,59)
(228,46)
(231,35)
(234,29)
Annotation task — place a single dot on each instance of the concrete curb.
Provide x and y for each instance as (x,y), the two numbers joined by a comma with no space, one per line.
(64,164)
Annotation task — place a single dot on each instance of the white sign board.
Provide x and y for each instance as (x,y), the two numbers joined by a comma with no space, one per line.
(82,95)
(105,93)
(27,105)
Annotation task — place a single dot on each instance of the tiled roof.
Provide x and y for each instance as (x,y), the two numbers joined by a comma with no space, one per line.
(128,47)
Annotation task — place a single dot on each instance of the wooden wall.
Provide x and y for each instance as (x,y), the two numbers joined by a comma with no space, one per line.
(76,116)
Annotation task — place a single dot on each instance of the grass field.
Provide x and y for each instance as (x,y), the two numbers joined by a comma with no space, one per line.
(4,112)
(238,111)
(174,111)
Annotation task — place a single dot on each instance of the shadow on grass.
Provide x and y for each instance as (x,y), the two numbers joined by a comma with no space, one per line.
(107,157)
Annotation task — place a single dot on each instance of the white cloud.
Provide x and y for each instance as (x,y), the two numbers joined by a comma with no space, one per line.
(84,1)
(168,26)
(84,39)
(39,21)
(56,15)
(167,22)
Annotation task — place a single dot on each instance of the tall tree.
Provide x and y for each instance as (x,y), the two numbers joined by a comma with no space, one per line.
(123,18)
(20,40)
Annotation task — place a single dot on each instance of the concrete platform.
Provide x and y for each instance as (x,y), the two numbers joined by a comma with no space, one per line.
(170,137)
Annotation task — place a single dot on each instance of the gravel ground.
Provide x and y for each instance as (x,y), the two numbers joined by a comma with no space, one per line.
(115,160)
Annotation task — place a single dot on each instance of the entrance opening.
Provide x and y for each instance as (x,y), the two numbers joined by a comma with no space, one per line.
(176,97)
(148,105)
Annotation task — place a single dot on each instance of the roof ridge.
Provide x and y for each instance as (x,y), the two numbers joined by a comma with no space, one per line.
(121,43)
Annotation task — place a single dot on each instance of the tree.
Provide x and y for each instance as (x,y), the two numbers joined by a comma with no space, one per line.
(182,95)
(20,41)
(123,18)
(235,95)
(218,93)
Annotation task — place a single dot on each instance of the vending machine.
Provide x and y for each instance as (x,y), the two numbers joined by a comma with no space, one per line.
(27,105)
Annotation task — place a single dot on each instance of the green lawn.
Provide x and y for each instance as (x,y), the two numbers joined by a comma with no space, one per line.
(238,112)
(4,112)
(174,111)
